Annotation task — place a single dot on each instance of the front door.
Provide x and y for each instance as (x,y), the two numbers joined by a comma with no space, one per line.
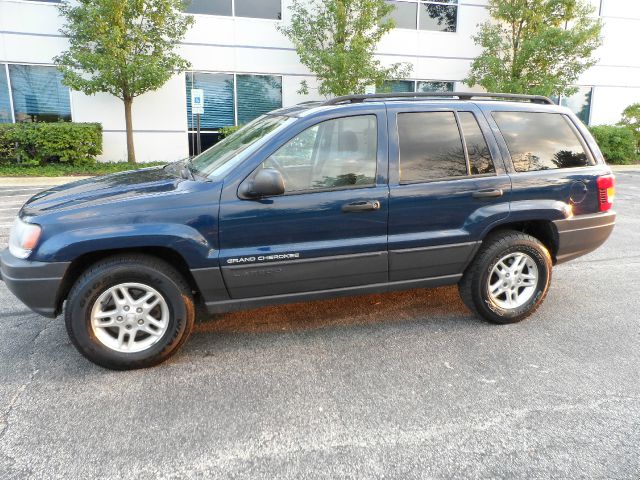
(448,187)
(329,229)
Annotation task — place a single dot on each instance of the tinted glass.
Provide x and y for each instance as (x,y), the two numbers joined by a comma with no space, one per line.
(540,141)
(257,95)
(396,86)
(333,154)
(480,160)
(430,147)
(5,104)
(580,103)
(209,7)
(218,100)
(404,14)
(38,94)
(259,9)
(435,87)
(441,17)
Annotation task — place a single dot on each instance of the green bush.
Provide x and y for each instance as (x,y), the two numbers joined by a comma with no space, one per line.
(44,143)
(618,144)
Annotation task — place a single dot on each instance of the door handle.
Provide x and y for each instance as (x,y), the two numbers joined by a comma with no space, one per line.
(487,193)
(363,206)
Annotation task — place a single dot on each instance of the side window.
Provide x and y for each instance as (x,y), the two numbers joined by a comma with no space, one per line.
(541,141)
(332,154)
(430,147)
(480,161)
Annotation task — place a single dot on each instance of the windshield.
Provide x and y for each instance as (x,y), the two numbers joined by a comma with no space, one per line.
(211,160)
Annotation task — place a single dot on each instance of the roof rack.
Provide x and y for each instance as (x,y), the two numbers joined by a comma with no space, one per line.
(438,95)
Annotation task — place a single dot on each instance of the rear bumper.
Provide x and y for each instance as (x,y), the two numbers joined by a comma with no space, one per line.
(36,284)
(580,235)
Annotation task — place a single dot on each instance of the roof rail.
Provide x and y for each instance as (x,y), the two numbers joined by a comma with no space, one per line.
(438,95)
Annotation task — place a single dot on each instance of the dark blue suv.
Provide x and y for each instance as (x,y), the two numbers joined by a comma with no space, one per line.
(355,195)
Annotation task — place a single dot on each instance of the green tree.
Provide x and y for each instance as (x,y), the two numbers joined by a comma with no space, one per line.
(122,47)
(537,47)
(631,119)
(336,40)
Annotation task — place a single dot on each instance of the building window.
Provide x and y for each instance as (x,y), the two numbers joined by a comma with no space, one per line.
(270,9)
(5,101)
(579,103)
(396,86)
(210,7)
(230,99)
(38,94)
(427,87)
(432,15)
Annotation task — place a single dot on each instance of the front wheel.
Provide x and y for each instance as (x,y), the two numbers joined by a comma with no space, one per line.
(508,279)
(129,311)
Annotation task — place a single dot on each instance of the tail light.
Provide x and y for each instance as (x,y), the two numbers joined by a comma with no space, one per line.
(606,192)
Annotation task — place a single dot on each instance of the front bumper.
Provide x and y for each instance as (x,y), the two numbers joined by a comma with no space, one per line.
(36,284)
(582,234)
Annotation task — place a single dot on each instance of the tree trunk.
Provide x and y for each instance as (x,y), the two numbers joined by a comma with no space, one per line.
(131,154)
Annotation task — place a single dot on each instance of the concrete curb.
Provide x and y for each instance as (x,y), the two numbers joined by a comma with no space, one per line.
(37,181)
(625,168)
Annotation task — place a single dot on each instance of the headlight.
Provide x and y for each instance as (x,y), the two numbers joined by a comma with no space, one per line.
(23,238)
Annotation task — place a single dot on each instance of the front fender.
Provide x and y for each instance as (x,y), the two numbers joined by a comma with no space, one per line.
(185,240)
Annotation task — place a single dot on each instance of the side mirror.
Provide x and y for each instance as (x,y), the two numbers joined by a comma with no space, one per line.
(266,183)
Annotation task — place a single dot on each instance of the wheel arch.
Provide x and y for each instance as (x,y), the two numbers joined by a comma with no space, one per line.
(84,261)
(543,230)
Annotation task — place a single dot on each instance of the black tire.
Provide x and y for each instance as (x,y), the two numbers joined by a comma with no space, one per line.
(474,285)
(116,270)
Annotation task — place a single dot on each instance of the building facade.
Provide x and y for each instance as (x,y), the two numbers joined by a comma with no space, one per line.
(246,67)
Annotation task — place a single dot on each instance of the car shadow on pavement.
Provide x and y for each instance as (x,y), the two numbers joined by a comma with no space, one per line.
(410,306)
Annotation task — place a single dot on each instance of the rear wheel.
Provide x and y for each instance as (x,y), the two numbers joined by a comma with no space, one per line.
(130,311)
(508,279)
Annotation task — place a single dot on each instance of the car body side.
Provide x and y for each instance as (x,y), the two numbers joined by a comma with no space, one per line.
(422,234)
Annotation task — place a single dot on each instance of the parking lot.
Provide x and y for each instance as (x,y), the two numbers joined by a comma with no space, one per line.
(402,385)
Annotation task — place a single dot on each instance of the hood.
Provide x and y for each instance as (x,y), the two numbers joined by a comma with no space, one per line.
(100,190)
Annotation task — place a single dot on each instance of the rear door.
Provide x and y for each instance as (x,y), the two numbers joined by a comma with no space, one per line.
(329,229)
(448,185)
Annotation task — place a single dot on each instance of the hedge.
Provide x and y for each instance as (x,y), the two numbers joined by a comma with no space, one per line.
(618,144)
(45,143)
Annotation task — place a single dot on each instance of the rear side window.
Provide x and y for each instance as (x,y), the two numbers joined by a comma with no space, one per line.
(430,147)
(480,161)
(541,141)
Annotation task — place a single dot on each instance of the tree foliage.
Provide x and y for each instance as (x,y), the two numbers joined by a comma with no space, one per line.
(537,47)
(631,119)
(122,47)
(336,40)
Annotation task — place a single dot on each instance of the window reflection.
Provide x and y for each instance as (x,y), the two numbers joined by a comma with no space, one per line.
(332,154)
(480,160)
(540,141)
(438,17)
(430,147)
(404,14)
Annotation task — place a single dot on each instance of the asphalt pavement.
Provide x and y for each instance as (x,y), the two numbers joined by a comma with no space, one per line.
(403,385)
